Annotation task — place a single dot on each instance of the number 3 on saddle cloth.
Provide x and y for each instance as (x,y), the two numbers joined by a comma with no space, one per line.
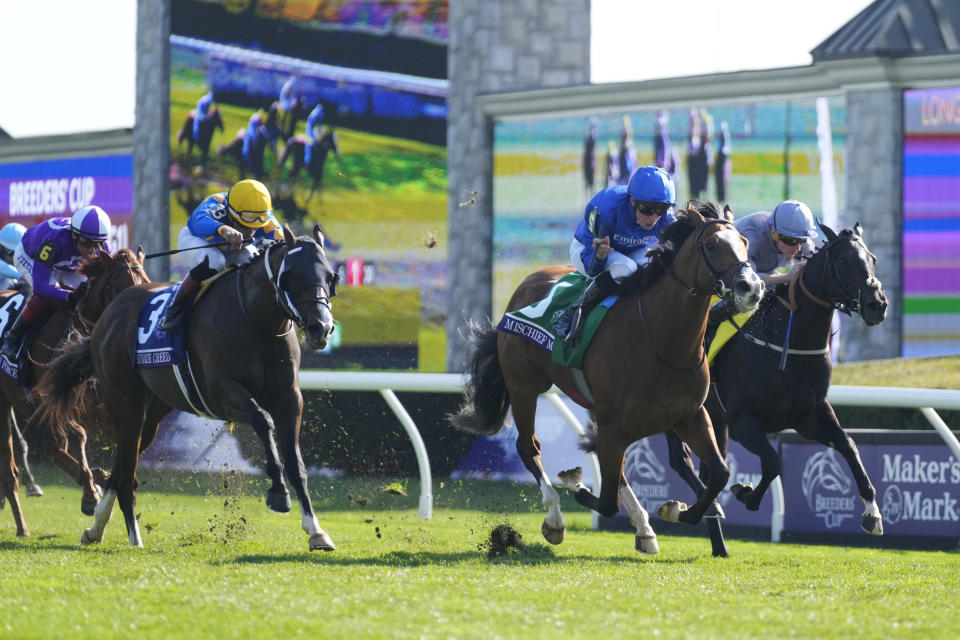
(534,322)
(158,348)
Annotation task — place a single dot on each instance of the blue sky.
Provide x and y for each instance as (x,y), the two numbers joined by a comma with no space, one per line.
(69,65)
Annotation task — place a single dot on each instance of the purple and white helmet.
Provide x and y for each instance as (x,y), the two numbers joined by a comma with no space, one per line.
(91,222)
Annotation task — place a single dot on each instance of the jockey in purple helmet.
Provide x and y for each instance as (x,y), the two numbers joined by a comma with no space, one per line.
(49,255)
(620,225)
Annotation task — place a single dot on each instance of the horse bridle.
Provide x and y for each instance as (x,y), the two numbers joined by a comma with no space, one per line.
(851,292)
(719,288)
(287,306)
(135,268)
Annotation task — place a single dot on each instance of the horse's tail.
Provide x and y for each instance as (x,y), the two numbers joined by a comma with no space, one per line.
(485,396)
(60,390)
(587,441)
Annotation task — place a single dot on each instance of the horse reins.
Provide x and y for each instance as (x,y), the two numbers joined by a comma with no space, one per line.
(719,289)
(276,289)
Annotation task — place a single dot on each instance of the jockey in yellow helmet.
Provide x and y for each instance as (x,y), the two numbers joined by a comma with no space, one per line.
(235,217)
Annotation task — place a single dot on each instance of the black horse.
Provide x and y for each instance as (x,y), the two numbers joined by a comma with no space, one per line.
(246,365)
(204,134)
(759,390)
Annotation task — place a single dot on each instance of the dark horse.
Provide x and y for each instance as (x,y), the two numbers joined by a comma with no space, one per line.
(646,368)
(107,276)
(758,391)
(296,149)
(246,365)
(205,132)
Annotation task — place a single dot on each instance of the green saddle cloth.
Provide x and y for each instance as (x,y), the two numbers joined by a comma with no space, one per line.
(535,321)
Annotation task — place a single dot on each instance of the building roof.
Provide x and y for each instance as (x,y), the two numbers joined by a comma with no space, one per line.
(896,28)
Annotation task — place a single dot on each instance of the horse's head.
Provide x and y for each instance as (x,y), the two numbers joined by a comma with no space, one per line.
(108,275)
(850,275)
(725,270)
(306,282)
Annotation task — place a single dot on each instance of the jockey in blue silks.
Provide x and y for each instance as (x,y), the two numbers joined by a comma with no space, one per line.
(10,237)
(620,225)
(202,113)
(314,122)
(233,218)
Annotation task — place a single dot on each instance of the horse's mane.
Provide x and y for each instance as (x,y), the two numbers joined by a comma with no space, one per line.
(661,256)
(98,265)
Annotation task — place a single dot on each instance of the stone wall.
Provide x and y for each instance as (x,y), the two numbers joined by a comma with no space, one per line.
(151,133)
(874,161)
(495,46)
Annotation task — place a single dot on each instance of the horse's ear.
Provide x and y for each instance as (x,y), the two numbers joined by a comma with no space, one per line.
(692,215)
(727,213)
(318,234)
(858,229)
(829,233)
(289,236)
(141,254)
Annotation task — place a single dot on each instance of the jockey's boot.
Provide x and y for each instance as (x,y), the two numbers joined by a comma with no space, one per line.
(11,343)
(174,313)
(568,324)
(722,310)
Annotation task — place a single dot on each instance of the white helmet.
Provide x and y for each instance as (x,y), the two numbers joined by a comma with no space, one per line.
(793,219)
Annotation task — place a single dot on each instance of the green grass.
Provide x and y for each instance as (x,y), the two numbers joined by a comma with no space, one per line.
(217,564)
(925,373)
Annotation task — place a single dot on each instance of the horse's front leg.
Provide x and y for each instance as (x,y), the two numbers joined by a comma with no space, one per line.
(79,470)
(826,430)
(610,456)
(287,413)
(9,485)
(697,432)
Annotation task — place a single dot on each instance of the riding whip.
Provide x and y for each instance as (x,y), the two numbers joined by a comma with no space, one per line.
(170,252)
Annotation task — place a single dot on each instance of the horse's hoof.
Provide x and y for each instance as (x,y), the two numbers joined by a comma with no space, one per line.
(88,538)
(34,491)
(571,477)
(671,510)
(647,544)
(741,491)
(321,542)
(23,533)
(278,501)
(872,525)
(553,535)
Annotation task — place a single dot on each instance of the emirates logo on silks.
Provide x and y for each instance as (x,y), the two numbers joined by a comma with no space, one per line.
(827,489)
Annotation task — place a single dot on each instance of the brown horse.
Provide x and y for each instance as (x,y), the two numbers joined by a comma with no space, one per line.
(645,367)
(246,365)
(107,276)
(205,133)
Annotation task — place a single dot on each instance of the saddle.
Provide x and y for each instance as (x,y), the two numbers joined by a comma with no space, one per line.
(535,322)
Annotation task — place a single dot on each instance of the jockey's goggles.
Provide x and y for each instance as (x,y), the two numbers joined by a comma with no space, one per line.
(250,217)
(655,209)
(790,242)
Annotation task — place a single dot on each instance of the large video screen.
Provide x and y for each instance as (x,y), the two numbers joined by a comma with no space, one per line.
(369,78)
(931,222)
(35,191)
(751,156)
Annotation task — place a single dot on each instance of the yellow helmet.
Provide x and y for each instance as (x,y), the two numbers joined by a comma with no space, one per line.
(249,203)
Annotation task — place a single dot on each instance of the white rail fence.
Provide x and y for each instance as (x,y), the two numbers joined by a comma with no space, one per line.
(927,401)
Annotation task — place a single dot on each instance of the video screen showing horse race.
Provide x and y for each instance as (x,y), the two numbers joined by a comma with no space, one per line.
(347,129)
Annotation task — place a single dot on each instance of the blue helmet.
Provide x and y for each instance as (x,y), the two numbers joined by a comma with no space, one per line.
(652,184)
(11,235)
(793,219)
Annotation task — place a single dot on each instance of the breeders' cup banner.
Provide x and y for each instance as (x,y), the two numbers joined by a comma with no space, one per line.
(31,192)
(918,489)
